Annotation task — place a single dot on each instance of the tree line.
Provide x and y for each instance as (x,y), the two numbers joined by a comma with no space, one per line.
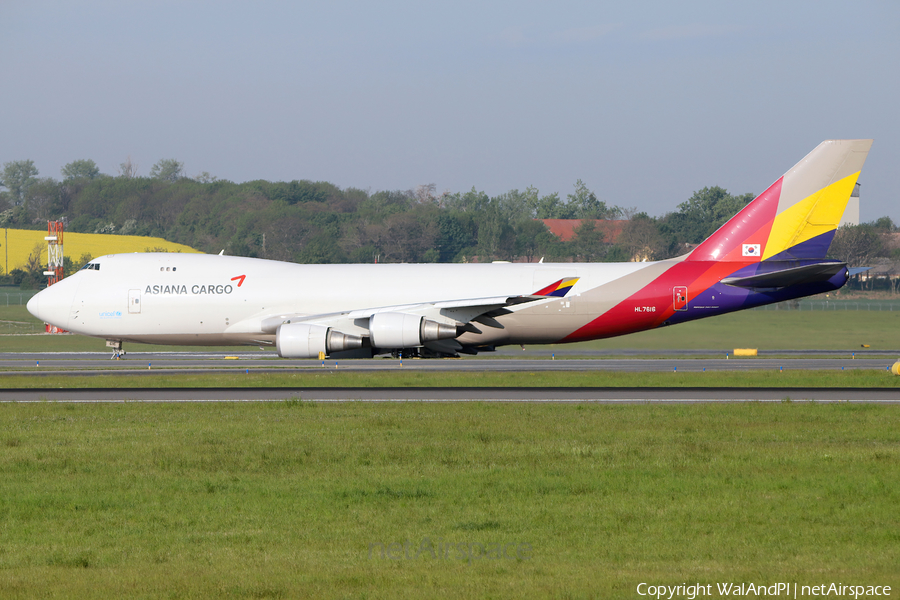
(318,222)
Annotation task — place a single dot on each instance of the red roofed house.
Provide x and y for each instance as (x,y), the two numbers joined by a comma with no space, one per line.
(564,229)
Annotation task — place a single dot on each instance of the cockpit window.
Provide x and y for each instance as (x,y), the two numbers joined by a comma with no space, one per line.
(91,267)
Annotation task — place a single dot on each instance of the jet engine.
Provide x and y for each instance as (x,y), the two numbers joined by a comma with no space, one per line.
(305,340)
(402,330)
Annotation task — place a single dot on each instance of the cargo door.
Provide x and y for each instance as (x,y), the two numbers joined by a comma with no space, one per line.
(134,302)
(680,297)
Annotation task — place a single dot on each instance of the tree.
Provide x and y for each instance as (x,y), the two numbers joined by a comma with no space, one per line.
(205,177)
(550,207)
(321,248)
(532,237)
(585,204)
(128,169)
(856,245)
(640,239)
(698,217)
(70,266)
(80,169)
(588,242)
(424,194)
(406,236)
(516,205)
(472,201)
(43,198)
(495,236)
(456,232)
(884,225)
(17,177)
(34,269)
(167,169)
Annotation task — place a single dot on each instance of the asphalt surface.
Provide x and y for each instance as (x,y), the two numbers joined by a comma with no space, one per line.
(148,363)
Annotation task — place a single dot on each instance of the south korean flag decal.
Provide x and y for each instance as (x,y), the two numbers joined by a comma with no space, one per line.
(750,250)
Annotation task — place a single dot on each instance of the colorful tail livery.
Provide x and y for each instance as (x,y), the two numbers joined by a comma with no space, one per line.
(773,250)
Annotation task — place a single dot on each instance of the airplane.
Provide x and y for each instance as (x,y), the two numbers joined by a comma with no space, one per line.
(773,250)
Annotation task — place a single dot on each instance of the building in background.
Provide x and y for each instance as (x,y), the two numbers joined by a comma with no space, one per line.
(851,213)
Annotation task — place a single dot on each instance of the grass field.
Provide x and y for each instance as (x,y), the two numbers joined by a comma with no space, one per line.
(774,378)
(298,499)
(771,330)
(295,499)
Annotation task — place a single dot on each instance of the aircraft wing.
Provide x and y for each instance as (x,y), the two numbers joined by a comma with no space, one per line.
(459,312)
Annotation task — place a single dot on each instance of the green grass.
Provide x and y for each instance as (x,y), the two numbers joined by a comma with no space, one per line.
(770,330)
(399,378)
(284,500)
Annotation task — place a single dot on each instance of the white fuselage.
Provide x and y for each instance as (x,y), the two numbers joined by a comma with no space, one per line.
(210,299)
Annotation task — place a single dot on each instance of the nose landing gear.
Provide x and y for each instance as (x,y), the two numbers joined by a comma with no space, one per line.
(116,345)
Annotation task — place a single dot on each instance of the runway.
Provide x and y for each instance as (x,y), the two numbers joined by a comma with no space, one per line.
(169,363)
(156,363)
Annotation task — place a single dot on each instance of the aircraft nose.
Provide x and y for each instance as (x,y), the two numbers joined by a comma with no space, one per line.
(53,304)
(33,305)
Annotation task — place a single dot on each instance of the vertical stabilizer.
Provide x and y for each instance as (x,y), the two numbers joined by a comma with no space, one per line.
(796,217)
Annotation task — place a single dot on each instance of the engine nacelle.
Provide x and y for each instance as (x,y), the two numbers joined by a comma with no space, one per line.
(402,330)
(304,340)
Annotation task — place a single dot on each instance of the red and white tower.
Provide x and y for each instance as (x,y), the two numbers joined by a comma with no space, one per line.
(54,251)
(54,270)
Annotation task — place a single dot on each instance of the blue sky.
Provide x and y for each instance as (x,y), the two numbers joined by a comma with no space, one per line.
(645,102)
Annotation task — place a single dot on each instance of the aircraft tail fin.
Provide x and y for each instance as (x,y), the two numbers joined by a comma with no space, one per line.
(797,216)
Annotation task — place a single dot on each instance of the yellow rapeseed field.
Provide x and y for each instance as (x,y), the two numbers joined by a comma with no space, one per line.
(17,244)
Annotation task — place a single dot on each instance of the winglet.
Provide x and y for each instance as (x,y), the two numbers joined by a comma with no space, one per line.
(559,288)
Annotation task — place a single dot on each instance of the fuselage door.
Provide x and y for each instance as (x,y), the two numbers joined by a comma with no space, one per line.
(134,301)
(680,297)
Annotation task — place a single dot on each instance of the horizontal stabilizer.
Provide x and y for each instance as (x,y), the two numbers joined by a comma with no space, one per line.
(790,276)
(858,270)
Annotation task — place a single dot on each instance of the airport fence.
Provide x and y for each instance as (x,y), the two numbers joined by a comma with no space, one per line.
(17,298)
(14,326)
(835,305)
(20,328)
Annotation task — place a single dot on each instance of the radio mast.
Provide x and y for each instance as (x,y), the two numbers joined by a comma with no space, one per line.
(54,270)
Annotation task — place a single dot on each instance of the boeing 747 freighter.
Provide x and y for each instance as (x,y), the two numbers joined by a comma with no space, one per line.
(772,250)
